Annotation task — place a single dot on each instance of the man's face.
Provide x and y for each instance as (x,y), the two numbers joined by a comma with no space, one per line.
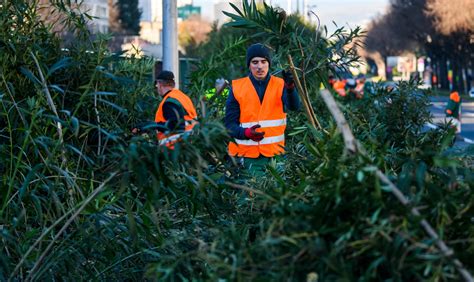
(259,67)
(159,87)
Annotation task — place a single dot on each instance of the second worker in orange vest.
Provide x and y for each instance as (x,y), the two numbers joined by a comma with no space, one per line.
(256,110)
(176,111)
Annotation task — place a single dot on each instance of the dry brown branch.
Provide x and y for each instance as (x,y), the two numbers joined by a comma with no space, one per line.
(304,96)
(349,139)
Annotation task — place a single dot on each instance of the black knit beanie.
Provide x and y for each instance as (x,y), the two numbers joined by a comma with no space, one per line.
(258,50)
(166,76)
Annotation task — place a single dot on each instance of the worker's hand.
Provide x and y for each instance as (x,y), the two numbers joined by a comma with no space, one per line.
(289,79)
(135,131)
(221,83)
(251,133)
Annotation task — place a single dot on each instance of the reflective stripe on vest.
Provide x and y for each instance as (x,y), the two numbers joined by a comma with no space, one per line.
(267,140)
(266,123)
(268,113)
(168,140)
(172,139)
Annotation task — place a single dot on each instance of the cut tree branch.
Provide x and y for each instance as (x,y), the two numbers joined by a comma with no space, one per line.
(304,96)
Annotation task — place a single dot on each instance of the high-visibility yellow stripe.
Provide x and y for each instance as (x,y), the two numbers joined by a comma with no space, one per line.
(265,141)
(265,123)
(172,138)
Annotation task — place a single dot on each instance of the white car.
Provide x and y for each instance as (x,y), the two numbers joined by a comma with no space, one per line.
(471,92)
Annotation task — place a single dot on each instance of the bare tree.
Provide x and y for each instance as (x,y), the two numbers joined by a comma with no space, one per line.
(440,29)
(114,16)
(450,17)
(385,39)
(124,17)
(456,23)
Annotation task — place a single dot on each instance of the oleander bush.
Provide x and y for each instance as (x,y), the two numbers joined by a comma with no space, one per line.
(83,199)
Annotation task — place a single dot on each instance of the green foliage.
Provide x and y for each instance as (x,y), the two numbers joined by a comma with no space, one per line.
(314,52)
(65,117)
(86,200)
(326,215)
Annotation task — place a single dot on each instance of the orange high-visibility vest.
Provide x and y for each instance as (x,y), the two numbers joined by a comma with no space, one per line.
(455,97)
(189,117)
(268,113)
(339,87)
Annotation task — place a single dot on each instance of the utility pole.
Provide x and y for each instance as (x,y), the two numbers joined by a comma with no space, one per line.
(289,7)
(305,10)
(170,38)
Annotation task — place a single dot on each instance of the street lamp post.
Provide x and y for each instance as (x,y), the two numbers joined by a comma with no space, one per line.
(170,38)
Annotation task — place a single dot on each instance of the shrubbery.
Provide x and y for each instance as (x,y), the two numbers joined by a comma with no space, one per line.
(83,199)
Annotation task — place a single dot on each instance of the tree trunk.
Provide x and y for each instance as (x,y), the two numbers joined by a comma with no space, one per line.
(456,73)
(465,76)
(388,75)
(435,66)
(443,73)
(470,73)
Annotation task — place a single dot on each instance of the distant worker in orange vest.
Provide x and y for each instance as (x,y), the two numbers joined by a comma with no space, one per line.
(176,114)
(256,112)
(340,87)
(453,110)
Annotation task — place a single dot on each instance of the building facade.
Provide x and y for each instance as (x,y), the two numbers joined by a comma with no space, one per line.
(151,22)
(185,11)
(99,10)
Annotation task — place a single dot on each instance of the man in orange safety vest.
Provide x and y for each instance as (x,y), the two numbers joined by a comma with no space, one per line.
(176,115)
(256,111)
(176,110)
(453,110)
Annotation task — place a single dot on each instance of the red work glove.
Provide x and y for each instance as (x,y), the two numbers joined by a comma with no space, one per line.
(251,133)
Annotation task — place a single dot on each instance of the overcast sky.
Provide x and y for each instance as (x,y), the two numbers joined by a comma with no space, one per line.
(344,12)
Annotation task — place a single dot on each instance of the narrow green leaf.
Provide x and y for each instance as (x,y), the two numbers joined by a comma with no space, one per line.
(30,75)
(103,93)
(113,105)
(62,63)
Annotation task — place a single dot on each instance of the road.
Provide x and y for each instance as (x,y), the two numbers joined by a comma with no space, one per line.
(438,105)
